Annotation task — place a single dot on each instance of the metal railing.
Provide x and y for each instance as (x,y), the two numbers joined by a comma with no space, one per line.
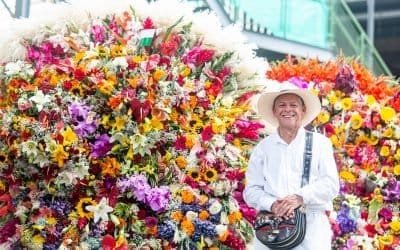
(351,40)
(344,34)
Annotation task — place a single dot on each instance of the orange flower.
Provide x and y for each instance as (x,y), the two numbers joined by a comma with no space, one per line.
(110,166)
(114,101)
(177,216)
(187,227)
(152,230)
(187,196)
(234,217)
(203,215)
(181,161)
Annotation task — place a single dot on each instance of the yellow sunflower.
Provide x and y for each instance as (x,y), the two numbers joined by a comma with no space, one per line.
(194,173)
(210,175)
(81,207)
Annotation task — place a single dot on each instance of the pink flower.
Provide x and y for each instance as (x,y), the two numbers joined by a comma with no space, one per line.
(207,133)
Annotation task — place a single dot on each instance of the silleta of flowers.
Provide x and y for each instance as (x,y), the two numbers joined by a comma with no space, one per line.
(124,133)
(361,117)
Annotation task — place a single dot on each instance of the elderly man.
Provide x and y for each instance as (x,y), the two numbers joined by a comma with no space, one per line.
(276,165)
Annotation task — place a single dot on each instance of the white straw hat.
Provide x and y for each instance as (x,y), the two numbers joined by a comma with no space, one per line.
(266,100)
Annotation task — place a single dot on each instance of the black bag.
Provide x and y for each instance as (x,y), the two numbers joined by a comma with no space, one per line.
(279,233)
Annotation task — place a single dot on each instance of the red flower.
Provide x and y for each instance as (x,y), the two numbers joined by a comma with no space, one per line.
(8,230)
(171,45)
(148,23)
(108,242)
(180,143)
(5,204)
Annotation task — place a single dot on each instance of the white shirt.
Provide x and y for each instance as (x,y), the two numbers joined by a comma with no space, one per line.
(275,169)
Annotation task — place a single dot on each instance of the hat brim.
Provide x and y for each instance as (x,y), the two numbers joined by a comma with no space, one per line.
(266,100)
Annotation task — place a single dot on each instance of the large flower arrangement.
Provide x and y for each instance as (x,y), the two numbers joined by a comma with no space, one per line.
(361,117)
(125,132)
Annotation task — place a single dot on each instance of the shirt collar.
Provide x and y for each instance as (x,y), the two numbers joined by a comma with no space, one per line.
(277,139)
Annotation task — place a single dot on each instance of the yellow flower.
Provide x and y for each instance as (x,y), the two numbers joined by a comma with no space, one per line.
(51,221)
(118,50)
(158,75)
(185,72)
(138,59)
(388,133)
(370,100)
(385,151)
(119,123)
(194,174)
(106,87)
(323,117)
(332,97)
(59,155)
(396,170)
(388,114)
(81,207)
(385,240)
(210,175)
(347,176)
(69,136)
(397,155)
(37,241)
(395,227)
(347,103)
(105,121)
(218,126)
(356,121)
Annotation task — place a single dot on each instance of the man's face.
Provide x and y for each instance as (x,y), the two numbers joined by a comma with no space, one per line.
(289,111)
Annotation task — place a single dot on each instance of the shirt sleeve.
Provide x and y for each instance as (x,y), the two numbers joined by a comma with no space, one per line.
(254,193)
(326,187)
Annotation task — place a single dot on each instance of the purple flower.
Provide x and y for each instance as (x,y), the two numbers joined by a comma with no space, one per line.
(346,224)
(345,80)
(101,146)
(158,198)
(84,124)
(78,112)
(298,82)
(137,184)
(98,33)
(392,191)
(83,129)
(140,187)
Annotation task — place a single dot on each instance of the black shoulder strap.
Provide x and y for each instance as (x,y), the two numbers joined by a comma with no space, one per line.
(307,158)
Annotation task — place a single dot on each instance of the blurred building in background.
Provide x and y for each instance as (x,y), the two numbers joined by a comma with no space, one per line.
(305,28)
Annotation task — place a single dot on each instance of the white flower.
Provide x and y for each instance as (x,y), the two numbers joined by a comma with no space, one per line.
(100,210)
(215,207)
(40,99)
(221,229)
(121,62)
(29,148)
(13,68)
(191,215)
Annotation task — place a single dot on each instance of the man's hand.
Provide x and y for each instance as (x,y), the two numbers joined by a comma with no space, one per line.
(284,207)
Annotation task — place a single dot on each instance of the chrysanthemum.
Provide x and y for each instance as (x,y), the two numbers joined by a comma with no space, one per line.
(81,207)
